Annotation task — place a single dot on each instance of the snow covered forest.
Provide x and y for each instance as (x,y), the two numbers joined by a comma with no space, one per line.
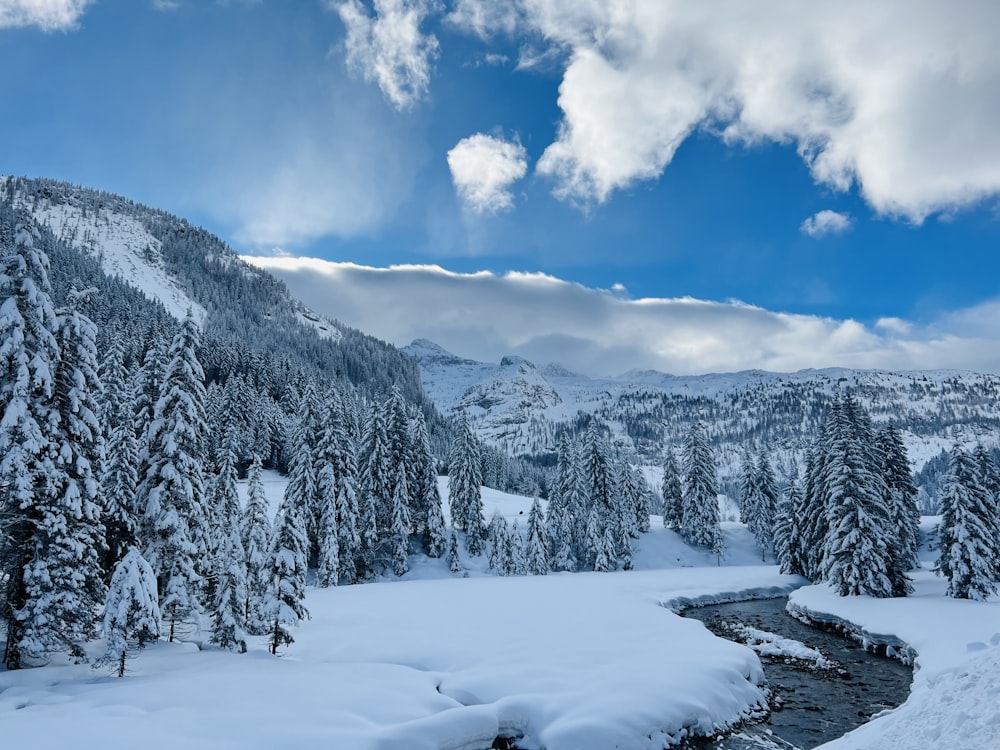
(128,427)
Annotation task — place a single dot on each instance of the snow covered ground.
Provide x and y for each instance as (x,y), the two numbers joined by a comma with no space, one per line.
(572,661)
(955,700)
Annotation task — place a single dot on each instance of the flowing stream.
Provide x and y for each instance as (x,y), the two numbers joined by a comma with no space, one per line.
(810,705)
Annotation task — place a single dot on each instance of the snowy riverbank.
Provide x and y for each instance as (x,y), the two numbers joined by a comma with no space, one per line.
(955,701)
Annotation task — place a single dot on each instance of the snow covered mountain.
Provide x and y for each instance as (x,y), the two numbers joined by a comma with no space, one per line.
(107,241)
(522,408)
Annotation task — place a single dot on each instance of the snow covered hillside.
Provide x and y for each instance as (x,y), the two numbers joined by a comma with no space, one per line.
(120,243)
(520,407)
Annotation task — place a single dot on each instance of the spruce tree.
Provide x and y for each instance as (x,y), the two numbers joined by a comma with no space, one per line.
(496,537)
(788,540)
(379,484)
(515,551)
(700,514)
(454,561)
(536,562)
(255,536)
(172,493)
(904,514)
(765,500)
(673,498)
(560,520)
(288,576)
(131,610)
(969,547)
(465,481)
(119,482)
(229,613)
(48,445)
(858,552)
(399,530)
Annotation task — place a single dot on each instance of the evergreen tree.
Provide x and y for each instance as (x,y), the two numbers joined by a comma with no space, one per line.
(131,609)
(288,576)
(465,488)
(749,492)
(496,536)
(229,613)
(399,531)
(379,483)
(673,498)
(969,546)
(301,491)
(561,520)
(788,540)
(435,533)
(700,515)
(119,482)
(172,492)
(901,499)
(47,490)
(761,521)
(328,572)
(536,562)
(813,518)
(255,536)
(516,564)
(858,554)
(454,562)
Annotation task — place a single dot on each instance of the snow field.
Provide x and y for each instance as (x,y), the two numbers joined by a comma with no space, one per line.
(572,661)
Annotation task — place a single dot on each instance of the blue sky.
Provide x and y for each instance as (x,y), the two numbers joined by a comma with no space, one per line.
(673,151)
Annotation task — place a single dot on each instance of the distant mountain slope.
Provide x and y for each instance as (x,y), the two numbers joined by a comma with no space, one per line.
(243,311)
(522,408)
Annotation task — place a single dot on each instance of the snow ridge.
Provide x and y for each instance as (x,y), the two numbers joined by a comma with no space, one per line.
(123,247)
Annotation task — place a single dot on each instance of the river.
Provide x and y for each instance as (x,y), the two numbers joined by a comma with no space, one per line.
(810,706)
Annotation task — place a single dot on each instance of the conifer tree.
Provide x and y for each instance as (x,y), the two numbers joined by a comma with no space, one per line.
(454,562)
(536,562)
(255,536)
(496,536)
(673,498)
(229,613)
(561,520)
(47,509)
(379,482)
(399,531)
(465,488)
(858,554)
(749,492)
(903,511)
(515,551)
(700,516)
(328,568)
(131,609)
(969,547)
(288,576)
(764,505)
(435,534)
(119,482)
(172,492)
(788,541)
(301,491)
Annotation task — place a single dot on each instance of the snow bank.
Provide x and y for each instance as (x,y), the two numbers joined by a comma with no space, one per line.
(955,701)
(572,661)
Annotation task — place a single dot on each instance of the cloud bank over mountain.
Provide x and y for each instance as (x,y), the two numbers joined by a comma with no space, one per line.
(602,332)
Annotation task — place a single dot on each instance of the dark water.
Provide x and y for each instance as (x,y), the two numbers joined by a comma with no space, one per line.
(809,706)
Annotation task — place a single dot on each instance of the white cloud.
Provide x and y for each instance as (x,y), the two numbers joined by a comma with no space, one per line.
(901,98)
(47,15)
(825,223)
(545,319)
(388,46)
(483,168)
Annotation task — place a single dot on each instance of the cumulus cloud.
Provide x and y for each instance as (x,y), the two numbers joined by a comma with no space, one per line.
(485,315)
(389,48)
(825,223)
(47,15)
(483,168)
(901,99)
